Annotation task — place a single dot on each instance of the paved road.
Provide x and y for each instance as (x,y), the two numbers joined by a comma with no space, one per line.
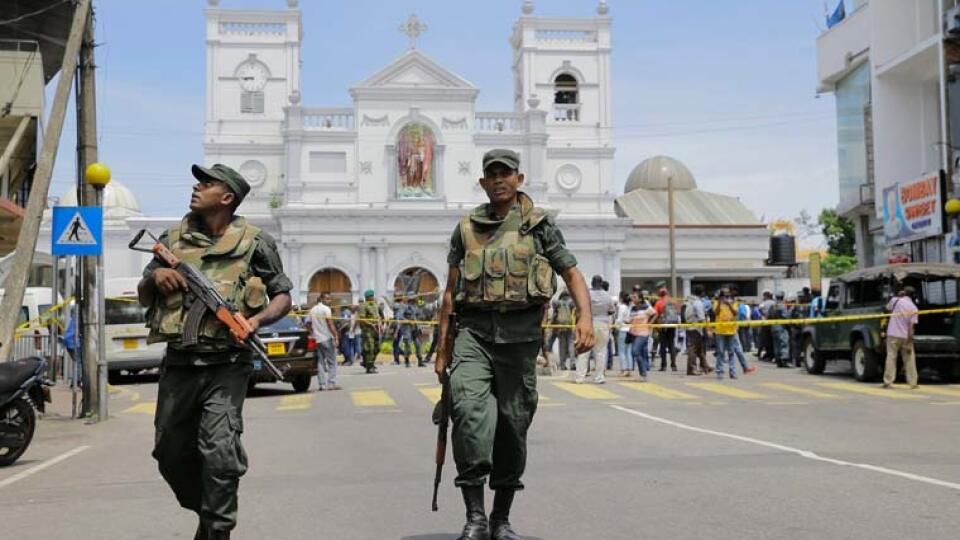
(778,454)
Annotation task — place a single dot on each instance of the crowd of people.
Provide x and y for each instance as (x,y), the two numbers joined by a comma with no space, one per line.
(630,338)
(627,338)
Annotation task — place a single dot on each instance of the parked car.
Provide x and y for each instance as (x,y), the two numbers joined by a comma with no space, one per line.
(862,292)
(293,350)
(33,339)
(125,330)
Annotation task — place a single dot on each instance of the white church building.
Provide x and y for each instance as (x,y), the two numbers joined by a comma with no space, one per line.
(361,194)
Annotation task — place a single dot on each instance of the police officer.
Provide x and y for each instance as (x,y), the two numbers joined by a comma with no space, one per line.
(781,336)
(202,386)
(370,328)
(502,260)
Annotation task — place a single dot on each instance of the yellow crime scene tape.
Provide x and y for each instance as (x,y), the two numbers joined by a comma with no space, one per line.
(709,324)
(48,317)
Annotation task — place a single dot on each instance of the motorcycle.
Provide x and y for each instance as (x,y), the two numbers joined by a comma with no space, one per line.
(22,389)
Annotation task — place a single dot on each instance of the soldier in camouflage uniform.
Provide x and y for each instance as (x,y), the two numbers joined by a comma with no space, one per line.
(370,328)
(502,261)
(202,386)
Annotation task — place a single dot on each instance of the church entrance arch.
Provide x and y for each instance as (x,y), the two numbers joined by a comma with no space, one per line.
(333,281)
(419,281)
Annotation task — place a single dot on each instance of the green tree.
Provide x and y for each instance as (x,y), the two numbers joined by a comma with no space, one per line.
(834,265)
(838,231)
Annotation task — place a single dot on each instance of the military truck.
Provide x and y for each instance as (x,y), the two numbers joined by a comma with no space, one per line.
(861,342)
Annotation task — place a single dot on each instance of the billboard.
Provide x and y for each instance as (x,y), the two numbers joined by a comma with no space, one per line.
(912,210)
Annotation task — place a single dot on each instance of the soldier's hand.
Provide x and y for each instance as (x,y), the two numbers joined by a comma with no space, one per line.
(584,336)
(441,363)
(169,281)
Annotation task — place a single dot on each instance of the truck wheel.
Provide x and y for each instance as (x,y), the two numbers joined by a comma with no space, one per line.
(812,360)
(866,366)
(301,383)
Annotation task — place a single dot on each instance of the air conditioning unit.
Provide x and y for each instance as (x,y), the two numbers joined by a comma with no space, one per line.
(952,22)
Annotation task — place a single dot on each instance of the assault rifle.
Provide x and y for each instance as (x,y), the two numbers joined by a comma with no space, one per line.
(441,413)
(208,299)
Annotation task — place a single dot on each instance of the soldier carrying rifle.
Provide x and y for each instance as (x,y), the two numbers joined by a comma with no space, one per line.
(203,380)
(502,260)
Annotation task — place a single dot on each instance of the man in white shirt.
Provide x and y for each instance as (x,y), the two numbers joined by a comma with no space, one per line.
(327,338)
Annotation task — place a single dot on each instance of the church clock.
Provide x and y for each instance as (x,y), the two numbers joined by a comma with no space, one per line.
(252,75)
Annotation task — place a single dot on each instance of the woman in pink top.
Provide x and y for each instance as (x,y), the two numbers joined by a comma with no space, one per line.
(640,314)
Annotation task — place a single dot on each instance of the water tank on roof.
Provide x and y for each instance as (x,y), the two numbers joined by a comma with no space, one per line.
(783,250)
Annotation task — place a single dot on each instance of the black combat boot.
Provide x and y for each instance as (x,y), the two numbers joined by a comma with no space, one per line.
(202,532)
(219,535)
(476,527)
(500,528)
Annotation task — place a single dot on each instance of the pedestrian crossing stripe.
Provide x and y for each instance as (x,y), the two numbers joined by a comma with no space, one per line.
(657,390)
(147,407)
(432,394)
(869,390)
(935,390)
(372,398)
(719,388)
(298,402)
(587,391)
(77,233)
(799,390)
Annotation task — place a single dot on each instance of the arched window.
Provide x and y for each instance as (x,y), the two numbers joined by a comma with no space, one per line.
(417,282)
(416,177)
(566,102)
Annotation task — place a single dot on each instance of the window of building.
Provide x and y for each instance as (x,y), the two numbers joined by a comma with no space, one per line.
(853,110)
(566,99)
(251,102)
(328,162)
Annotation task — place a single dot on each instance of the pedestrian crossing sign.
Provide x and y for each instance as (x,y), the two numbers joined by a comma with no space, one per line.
(77,230)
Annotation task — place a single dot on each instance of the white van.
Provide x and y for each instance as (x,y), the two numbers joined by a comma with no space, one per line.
(33,339)
(125,329)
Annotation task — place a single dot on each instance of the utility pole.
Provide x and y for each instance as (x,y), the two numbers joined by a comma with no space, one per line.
(87,155)
(27,240)
(673,243)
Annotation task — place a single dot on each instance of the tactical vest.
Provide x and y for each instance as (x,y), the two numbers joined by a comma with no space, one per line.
(226,264)
(502,269)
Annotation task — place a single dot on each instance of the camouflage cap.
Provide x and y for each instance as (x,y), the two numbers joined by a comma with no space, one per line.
(220,172)
(502,155)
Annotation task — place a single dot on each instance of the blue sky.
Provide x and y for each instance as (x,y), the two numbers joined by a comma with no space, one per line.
(726,86)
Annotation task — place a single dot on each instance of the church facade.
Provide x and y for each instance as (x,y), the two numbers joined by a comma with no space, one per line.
(358,196)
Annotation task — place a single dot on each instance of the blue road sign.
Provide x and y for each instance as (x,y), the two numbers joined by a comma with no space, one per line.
(77,230)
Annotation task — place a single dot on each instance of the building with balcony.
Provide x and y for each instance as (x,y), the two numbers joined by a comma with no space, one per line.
(363,193)
(885,64)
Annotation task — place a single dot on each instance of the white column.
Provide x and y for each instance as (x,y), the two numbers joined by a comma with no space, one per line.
(294,270)
(381,265)
(686,286)
(364,277)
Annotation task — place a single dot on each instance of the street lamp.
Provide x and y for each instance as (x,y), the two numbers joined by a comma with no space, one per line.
(97,175)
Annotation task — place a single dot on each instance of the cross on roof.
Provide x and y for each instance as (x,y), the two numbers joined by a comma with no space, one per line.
(413,28)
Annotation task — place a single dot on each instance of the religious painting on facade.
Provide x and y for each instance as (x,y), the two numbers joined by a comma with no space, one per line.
(415,172)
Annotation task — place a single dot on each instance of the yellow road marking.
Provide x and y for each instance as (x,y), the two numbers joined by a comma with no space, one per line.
(719,388)
(800,390)
(586,391)
(432,394)
(866,389)
(933,390)
(147,407)
(657,390)
(298,402)
(372,398)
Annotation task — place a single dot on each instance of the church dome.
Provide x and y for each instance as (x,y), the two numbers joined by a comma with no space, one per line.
(118,200)
(653,174)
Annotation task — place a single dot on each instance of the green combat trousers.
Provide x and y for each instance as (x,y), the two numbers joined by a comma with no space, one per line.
(494,392)
(370,347)
(198,426)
